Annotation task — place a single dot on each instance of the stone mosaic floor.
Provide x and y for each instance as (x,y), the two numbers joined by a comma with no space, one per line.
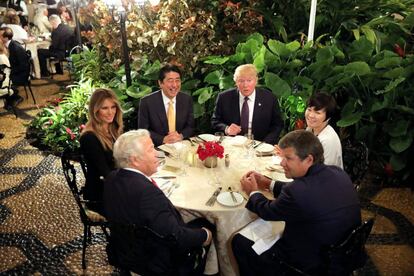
(41,233)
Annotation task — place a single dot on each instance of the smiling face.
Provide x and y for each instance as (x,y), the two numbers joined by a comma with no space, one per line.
(106,113)
(171,84)
(315,119)
(293,166)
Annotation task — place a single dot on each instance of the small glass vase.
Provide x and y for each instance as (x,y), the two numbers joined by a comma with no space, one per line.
(210,162)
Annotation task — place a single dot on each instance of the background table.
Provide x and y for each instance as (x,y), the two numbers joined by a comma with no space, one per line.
(199,183)
(33,46)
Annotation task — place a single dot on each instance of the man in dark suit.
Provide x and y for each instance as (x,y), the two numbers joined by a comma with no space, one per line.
(246,107)
(132,197)
(320,208)
(19,62)
(167,113)
(63,39)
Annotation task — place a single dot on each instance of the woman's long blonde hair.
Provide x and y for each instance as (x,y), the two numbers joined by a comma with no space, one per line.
(95,124)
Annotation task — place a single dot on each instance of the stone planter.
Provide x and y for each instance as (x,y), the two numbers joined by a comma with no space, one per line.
(210,162)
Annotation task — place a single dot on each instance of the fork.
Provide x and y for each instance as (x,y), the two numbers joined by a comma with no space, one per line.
(213,198)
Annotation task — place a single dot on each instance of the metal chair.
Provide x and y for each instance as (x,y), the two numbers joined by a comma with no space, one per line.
(355,158)
(6,87)
(342,258)
(89,218)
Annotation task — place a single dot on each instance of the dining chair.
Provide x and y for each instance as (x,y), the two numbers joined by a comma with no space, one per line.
(355,159)
(88,217)
(131,247)
(27,84)
(5,88)
(342,258)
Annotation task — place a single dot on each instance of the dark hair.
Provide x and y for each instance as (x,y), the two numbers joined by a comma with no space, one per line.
(304,143)
(7,32)
(324,101)
(166,69)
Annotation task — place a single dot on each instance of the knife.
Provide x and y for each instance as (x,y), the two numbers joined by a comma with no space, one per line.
(232,195)
(213,198)
(258,144)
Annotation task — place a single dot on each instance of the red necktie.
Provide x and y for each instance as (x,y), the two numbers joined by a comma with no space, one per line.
(153,182)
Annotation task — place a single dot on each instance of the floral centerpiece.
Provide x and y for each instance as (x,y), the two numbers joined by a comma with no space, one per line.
(208,153)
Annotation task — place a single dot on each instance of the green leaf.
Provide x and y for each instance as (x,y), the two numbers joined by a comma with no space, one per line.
(256,36)
(394,73)
(259,59)
(361,49)
(226,82)
(359,68)
(138,92)
(350,119)
(205,94)
(388,62)
(369,33)
(279,48)
(356,34)
(390,86)
(324,55)
(217,60)
(378,105)
(198,110)
(213,77)
(278,86)
(396,128)
(238,57)
(190,85)
(293,46)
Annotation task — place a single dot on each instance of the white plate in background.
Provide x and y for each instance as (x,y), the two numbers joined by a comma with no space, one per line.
(226,200)
(208,137)
(265,148)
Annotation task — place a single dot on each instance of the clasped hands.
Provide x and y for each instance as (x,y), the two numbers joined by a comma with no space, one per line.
(254,181)
(172,137)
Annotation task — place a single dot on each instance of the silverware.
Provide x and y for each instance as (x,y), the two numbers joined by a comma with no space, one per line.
(198,137)
(165,177)
(232,195)
(213,198)
(258,144)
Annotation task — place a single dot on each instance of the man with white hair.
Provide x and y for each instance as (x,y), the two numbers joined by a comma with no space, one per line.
(63,39)
(132,197)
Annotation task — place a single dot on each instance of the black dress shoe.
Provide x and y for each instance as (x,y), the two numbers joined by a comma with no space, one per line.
(1,135)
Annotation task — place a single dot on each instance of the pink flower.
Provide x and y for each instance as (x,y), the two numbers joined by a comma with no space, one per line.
(72,135)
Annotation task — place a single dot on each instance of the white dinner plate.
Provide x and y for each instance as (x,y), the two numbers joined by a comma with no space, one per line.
(265,148)
(208,137)
(238,140)
(226,200)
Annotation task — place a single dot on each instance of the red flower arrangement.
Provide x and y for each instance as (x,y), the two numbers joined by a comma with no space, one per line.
(208,149)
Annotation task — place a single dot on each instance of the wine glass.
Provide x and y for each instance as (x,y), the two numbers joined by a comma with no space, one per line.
(248,145)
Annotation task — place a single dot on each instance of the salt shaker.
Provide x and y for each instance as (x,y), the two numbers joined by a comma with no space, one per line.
(227,160)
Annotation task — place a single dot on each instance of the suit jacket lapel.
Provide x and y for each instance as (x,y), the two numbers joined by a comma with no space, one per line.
(236,101)
(162,116)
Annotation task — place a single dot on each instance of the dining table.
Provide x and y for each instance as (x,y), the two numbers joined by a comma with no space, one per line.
(194,184)
(35,43)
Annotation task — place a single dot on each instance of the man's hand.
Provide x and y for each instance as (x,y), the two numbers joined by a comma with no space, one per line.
(233,129)
(248,183)
(209,237)
(172,137)
(263,183)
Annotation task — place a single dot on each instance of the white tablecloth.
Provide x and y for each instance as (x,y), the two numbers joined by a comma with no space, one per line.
(33,46)
(199,184)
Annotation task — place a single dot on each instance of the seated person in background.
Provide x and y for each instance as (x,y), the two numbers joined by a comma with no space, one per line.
(62,40)
(132,197)
(320,208)
(12,21)
(65,14)
(4,75)
(19,62)
(96,142)
(247,106)
(41,20)
(167,113)
(321,108)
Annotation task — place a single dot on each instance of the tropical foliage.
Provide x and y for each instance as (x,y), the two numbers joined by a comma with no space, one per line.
(363,55)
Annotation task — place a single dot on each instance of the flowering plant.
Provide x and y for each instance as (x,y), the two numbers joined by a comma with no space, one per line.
(208,149)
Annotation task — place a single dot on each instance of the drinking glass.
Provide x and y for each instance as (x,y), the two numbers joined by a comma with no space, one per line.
(219,136)
(248,145)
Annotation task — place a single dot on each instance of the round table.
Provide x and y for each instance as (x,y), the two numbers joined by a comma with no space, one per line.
(198,183)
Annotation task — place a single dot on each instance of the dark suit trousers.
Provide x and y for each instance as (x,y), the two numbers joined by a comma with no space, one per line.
(44,54)
(196,267)
(251,264)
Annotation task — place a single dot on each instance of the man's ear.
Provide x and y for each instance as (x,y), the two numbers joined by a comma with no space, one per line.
(309,159)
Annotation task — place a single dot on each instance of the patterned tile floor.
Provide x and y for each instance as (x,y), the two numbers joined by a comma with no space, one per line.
(41,233)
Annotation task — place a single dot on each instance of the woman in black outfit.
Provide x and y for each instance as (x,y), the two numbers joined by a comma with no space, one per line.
(103,128)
